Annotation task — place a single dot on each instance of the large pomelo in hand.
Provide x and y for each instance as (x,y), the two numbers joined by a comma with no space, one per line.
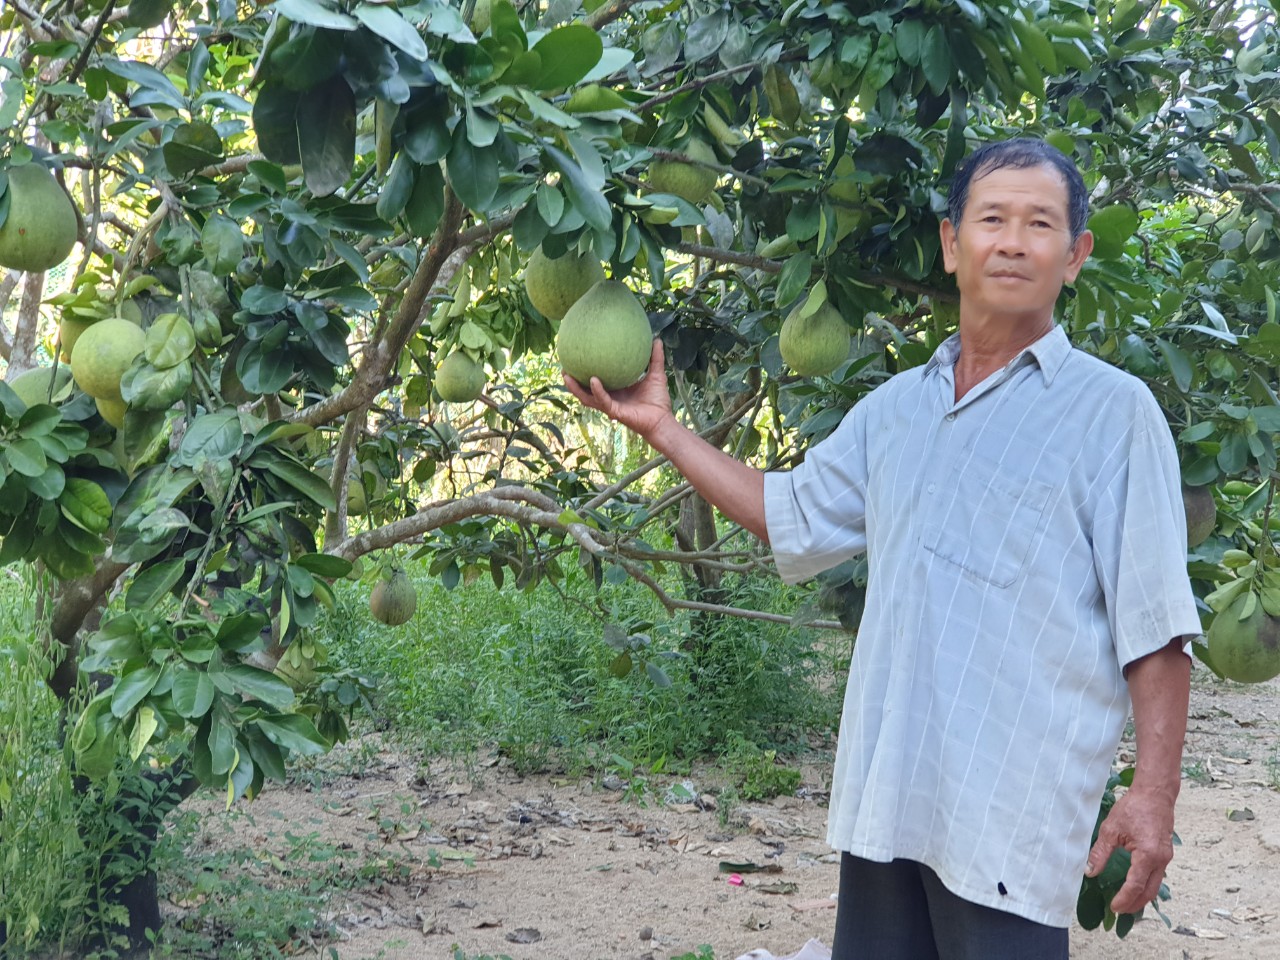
(688,181)
(459,379)
(42,225)
(102,355)
(605,334)
(815,345)
(393,600)
(556,285)
(1246,650)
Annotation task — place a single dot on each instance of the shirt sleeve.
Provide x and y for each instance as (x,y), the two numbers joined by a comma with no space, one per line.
(1140,542)
(816,513)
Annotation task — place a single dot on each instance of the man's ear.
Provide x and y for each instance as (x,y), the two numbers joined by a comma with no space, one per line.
(948,233)
(1079,254)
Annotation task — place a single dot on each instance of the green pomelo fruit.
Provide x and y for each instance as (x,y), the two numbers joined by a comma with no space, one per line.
(1202,513)
(112,411)
(556,285)
(605,334)
(146,14)
(103,354)
(33,385)
(459,379)
(1247,650)
(481,16)
(686,180)
(393,600)
(815,345)
(42,225)
(357,499)
(69,331)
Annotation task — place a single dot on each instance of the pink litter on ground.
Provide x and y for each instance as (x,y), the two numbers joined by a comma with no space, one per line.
(735,879)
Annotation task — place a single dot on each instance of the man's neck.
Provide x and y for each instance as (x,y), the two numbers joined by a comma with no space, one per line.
(986,346)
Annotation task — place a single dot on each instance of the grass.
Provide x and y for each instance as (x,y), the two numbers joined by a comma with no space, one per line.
(530,674)
(478,670)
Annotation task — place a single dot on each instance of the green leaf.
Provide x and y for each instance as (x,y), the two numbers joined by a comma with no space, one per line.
(796,275)
(705,36)
(275,121)
(85,504)
(222,743)
(222,244)
(214,436)
(303,481)
(327,136)
(314,12)
(586,198)
(239,631)
(397,188)
(151,586)
(40,420)
(27,458)
(170,339)
(568,53)
(148,388)
(244,680)
(426,203)
(473,171)
(324,565)
(184,159)
(1111,229)
(132,688)
(1178,362)
(295,733)
(145,725)
(936,59)
(387,23)
(192,693)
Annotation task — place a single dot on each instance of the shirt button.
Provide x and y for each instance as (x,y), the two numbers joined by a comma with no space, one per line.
(950,417)
(932,487)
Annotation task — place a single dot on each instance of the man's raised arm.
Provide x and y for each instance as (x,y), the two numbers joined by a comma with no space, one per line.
(731,486)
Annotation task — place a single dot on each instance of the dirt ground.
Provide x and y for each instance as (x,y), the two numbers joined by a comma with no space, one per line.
(539,867)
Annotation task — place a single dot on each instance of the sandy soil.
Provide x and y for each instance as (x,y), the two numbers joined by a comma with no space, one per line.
(538,867)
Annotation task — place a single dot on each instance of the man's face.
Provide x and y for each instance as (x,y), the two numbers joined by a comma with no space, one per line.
(1011,252)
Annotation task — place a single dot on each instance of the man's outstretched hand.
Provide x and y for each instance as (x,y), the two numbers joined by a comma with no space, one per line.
(642,407)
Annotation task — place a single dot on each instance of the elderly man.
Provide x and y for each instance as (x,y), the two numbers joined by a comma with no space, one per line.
(1020,505)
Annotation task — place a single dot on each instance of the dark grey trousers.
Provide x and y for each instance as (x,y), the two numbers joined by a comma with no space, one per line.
(901,911)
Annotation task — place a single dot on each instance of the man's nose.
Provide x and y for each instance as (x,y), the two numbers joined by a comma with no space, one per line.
(1011,241)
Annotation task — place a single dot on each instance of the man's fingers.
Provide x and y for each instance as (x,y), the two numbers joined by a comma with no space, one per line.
(1099,855)
(603,401)
(1139,889)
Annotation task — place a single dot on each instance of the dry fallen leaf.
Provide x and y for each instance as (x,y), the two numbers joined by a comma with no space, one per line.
(524,935)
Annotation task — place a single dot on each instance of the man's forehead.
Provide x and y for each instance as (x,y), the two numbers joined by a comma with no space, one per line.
(993,185)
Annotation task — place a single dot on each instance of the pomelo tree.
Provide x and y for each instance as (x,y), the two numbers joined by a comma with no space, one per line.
(304,207)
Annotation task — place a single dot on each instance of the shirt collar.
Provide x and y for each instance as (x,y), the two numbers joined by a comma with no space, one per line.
(1050,352)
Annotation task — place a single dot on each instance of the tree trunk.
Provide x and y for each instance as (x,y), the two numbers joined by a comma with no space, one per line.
(22,351)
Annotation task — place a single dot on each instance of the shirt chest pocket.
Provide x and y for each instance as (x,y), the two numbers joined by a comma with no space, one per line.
(987,520)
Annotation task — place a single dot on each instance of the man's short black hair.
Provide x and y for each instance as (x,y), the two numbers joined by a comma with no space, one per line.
(1021,152)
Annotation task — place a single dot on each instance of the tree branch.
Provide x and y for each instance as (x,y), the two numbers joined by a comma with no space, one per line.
(381,355)
(74,602)
(609,12)
(698,84)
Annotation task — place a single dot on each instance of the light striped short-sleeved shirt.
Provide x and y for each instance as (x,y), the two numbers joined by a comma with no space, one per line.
(1024,545)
